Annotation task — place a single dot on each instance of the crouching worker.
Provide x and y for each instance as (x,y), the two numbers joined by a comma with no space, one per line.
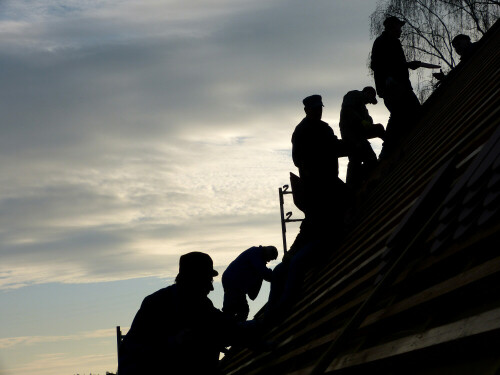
(243,277)
(356,127)
(177,330)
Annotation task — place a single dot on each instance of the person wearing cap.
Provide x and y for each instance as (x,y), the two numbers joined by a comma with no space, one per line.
(315,152)
(392,81)
(356,127)
(177,330)
(243,277)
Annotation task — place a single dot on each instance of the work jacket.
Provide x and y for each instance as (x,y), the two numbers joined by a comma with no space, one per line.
(388,63)
(152,347)
(247,272)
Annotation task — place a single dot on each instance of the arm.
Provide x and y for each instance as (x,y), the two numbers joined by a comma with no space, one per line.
(343,148)
(413,64)
(259,264)
(374,130)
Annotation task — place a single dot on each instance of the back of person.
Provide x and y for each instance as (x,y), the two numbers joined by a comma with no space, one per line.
(177,330)
(315,151)
(163,316)
(352,114)
(388,60)
(247,271)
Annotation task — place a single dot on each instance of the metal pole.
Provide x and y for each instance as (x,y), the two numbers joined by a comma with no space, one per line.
(283,225)
(118,340)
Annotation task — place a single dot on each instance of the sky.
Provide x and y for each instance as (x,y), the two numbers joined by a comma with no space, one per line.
(132,132)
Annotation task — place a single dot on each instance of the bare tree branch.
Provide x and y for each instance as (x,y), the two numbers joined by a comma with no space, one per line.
(431,26)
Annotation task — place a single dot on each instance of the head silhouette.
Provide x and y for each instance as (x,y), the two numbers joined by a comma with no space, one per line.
(196,273)
(313,106)
(461,42)
(369,95)
(393,26)
(270,253)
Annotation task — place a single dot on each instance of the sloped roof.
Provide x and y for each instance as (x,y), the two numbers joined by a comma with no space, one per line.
(415,284)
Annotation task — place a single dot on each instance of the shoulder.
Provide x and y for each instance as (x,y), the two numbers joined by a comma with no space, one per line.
(160,296)
(302,124)
(351,96)
(299,129)
(255,249)
(381,39)
(325,126)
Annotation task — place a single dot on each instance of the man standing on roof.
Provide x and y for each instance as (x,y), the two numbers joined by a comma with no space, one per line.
(177,330)
(356,127)
(243,277)
(315,152)
(392,81)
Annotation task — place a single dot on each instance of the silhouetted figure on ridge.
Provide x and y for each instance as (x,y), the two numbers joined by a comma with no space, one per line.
(315,152)
(356,127)
(464,48)
(177,330)
(392,82)
(243,277)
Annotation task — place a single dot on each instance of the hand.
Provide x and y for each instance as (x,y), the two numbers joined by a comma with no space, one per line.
(439,76)
(414,65)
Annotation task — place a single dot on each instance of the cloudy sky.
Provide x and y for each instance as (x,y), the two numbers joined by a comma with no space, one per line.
(134,131)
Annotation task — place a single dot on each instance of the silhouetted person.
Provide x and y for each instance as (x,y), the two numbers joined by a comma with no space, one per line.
(392,82)
(356,127)
(464,48)
(177,330)
(243,277)
(315,152)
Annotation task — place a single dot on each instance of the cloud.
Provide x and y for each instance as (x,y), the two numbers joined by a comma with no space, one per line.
(9,342)
(134,131)
(64,363)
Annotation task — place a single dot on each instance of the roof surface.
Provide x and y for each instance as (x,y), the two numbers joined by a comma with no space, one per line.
(414,286)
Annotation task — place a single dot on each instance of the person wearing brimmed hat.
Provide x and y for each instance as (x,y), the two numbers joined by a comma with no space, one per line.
(356,127)
(177,330)
(392,82)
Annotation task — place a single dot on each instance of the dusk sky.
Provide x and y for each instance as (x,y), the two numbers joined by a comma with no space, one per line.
(132,132)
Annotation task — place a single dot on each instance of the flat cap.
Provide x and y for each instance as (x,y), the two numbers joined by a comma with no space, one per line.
(392,20)
(313,101)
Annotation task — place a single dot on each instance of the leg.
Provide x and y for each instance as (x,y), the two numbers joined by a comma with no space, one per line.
(354,172)
(235,304)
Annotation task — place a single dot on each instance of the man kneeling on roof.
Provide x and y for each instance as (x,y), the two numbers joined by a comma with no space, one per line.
(177,330)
